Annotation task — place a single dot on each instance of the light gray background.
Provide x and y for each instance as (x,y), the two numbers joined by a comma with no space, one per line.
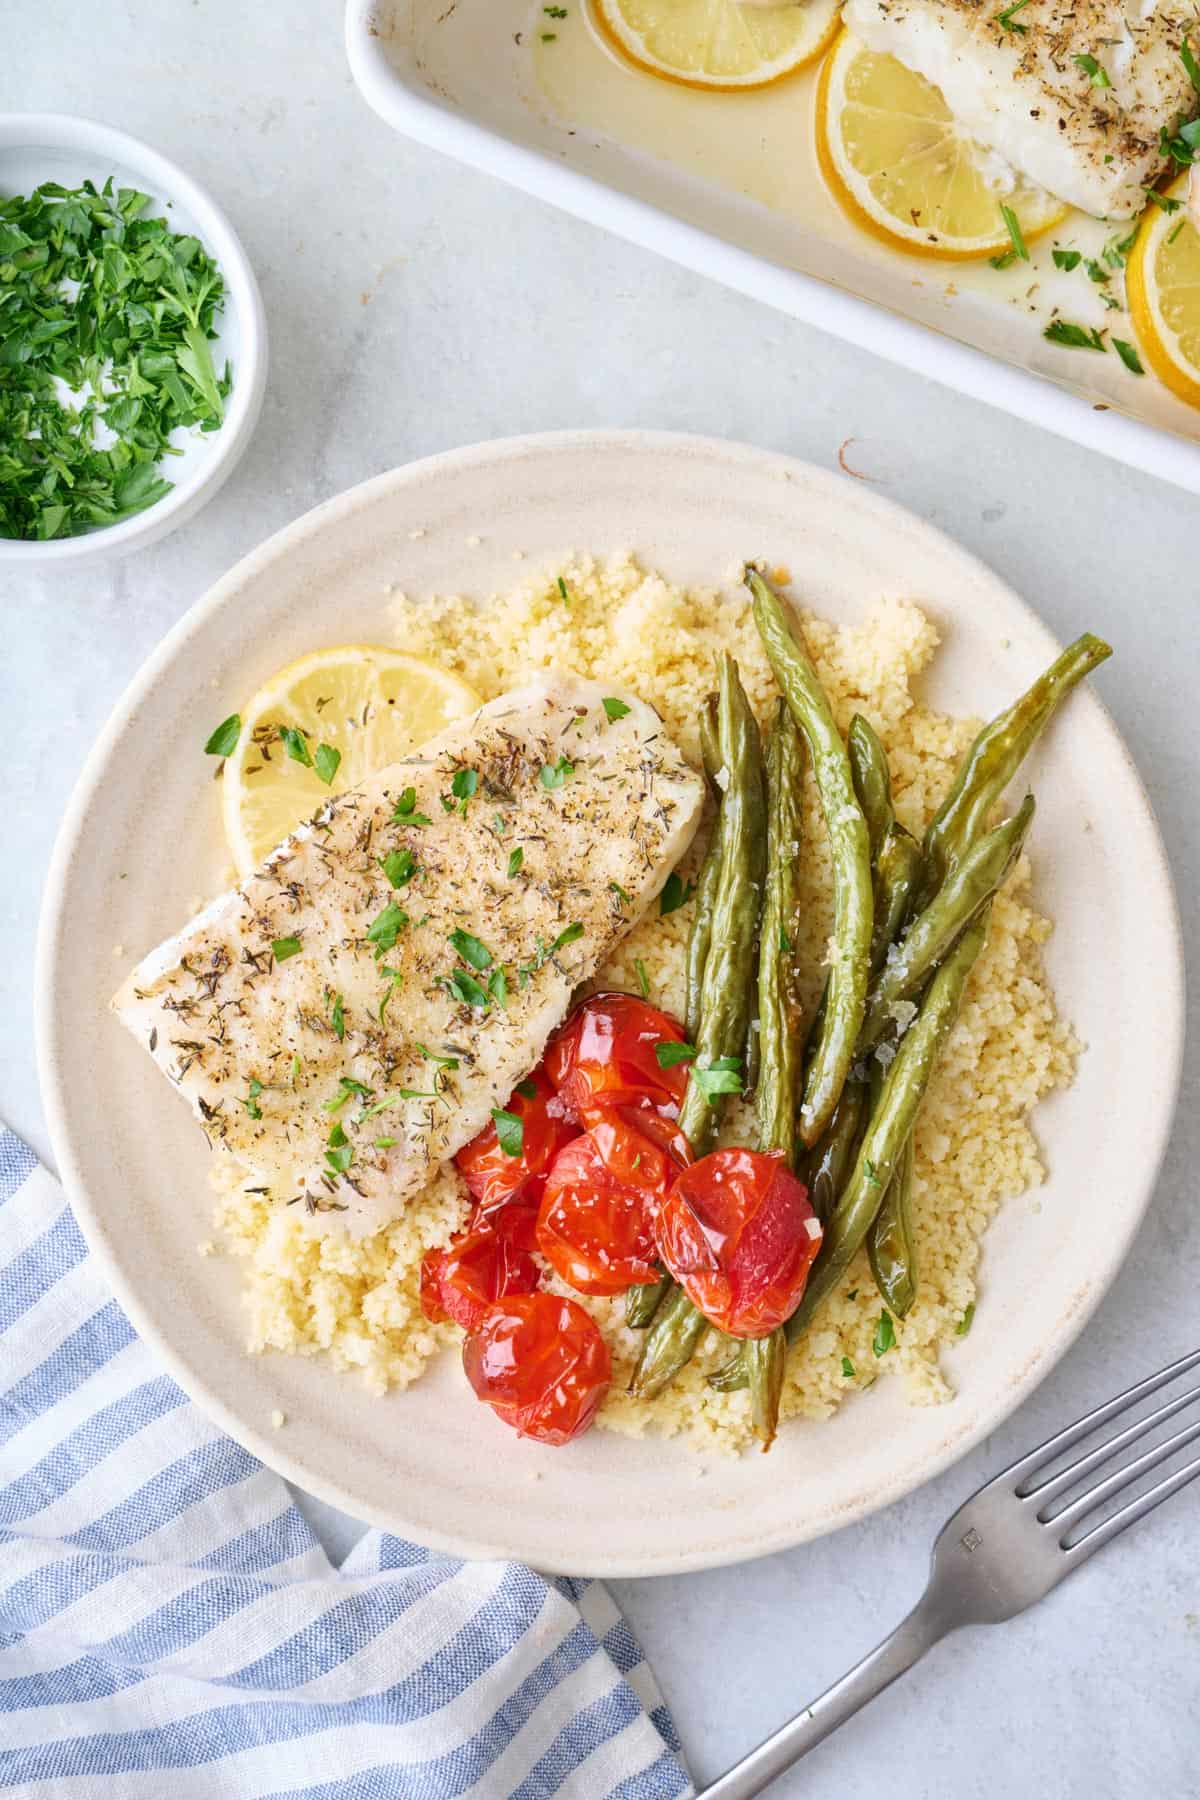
(413,306)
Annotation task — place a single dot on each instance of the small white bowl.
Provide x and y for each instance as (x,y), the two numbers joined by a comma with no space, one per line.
(37,147)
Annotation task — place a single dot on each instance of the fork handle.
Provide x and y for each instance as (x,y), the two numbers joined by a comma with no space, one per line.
(877,1670)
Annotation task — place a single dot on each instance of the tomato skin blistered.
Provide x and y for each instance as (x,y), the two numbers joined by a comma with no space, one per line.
(494,1177)
(465,1280)
(541,1364)
(739,1236)
(596,1221)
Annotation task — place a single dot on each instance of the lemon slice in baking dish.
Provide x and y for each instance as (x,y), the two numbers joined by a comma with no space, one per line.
(1162,281)
(720,43)
(893,153)
(320,726)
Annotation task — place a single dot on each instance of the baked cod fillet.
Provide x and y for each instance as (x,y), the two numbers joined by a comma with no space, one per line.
(1018,89)
(350,1015)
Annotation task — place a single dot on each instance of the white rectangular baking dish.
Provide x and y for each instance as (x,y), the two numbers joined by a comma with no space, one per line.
(458,75)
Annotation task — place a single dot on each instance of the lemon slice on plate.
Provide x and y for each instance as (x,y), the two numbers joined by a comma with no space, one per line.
(1162,282)
(898,163)
(349,710)
(720,43)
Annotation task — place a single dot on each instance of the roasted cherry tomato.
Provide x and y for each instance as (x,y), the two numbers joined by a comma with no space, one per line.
(541,1364)
(596,1222)
(737,1233)
(465,1280)
(604,1056)
(494,1176)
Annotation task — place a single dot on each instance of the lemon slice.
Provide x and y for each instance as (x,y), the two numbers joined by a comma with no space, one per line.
(1162,283)
(719,43)
(358,707)
(898,163)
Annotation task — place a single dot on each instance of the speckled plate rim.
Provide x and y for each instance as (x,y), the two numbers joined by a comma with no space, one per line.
(733,1533)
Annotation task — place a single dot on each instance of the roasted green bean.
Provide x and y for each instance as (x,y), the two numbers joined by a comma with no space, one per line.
(642,1302)
(725,999)
(777,1008)
(851,856)
(765,1361)
(830,1162)
(720,1037)
(996,755)
(700,935)
(891,1246)
(872,781)
(892,1122)
(970,884)
(897,874)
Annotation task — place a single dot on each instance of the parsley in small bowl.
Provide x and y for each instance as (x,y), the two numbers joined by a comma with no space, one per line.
(132,343)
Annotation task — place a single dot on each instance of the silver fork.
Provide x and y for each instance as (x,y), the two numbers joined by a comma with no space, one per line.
(1001,1551)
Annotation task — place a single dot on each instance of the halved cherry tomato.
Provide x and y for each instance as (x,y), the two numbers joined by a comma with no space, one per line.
(737,1233)
(541,1364)
(604,1055)
(596,1225)
(463,1281)
(492,1175)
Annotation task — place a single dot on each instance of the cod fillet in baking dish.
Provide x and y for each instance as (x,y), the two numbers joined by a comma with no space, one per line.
(1073,93)
(350,1015)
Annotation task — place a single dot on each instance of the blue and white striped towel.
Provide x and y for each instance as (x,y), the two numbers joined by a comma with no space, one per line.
(170,1628)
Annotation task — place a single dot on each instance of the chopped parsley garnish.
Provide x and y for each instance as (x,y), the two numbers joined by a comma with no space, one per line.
(510,1131)
(224,739)
(385,1143)
(616,888)
(1175,231)
(1189,62)
(1013,227)
(724,1076)
(251,1101)
(417,1093)
(668,1053)
(964,1324)
(1128,356)
(399,866)
(614,709)
(515,859)
(785,942)
(1164,202)
(497,987)
(552,775)
(369,1112)
(394,979)
(1067,259)
(555,12)
(337,1135)
(528,1090)
(674,894)
(871,1173)
(326,762)
(346,1086)
(562,586)
(885,1334)
(465,785)
(296,745)
(108,323)
(643,983)
(1183,147)
(847,1368)
(464,988)
(1075,337)
(1008,21)
(386,927)
(1096,271)
(406,813)
(443,1062)
(1097,75)
(339,1160)
(569,935)
(471,950)
(337,1014)
(282,948)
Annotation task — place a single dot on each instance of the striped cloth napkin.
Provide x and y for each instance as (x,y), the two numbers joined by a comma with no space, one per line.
(170,1628)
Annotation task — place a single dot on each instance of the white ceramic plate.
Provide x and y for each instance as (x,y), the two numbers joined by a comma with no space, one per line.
(142,840)
(461,78)
(38,147)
